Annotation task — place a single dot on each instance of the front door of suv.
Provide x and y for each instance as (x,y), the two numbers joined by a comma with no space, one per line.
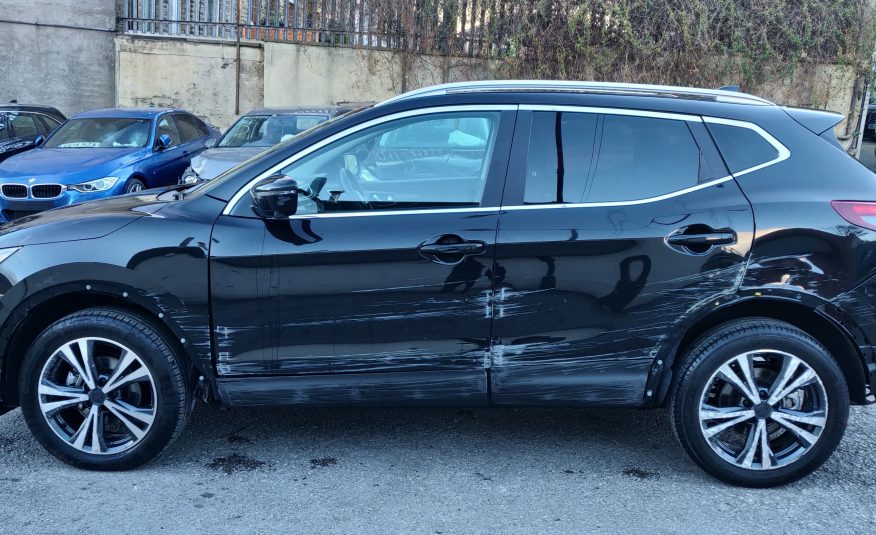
(378,288)
(615,224)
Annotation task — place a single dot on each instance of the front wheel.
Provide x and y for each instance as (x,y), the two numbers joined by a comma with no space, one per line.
(134,185)
(759,403)
(101,389)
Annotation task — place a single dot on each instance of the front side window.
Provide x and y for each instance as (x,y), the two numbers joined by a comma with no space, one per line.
(167,127)
(430,161)
(268,130)
(100,133)
(24,124)
(643,157)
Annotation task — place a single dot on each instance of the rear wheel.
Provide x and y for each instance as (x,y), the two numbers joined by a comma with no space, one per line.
(759,403)
(101,389)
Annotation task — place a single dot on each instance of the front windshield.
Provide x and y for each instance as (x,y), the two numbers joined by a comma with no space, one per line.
(268,130)
(101,132)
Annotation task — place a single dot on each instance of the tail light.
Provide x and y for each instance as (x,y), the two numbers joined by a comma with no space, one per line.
(859,213)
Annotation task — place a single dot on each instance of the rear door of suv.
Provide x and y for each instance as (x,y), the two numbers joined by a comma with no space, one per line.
(615,224)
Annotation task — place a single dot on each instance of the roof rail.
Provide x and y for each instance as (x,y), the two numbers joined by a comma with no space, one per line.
(580,87)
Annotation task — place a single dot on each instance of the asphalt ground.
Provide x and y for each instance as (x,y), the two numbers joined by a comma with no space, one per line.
(430,471)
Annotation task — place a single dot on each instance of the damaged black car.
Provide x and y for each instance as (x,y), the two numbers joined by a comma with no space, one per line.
(487,243)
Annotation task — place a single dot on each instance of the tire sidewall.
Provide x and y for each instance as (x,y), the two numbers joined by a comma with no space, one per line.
(169,395)
(130,184)
(813,355)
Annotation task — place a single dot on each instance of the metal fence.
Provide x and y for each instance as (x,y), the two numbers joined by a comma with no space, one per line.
(435,26)
(330,22)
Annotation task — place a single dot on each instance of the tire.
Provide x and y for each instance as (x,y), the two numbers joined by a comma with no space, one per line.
(134,185)
(769,348)
(149,392)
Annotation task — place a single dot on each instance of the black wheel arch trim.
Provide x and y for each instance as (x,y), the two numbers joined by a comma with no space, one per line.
(661,375)
(117,287)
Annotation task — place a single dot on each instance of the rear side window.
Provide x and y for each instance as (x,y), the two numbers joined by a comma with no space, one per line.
(188,128)
(560,155)
(642,157)
(4,132)
(49,123)
(742,148)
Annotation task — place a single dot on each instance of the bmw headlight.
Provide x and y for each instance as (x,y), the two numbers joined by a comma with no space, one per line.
(100,184)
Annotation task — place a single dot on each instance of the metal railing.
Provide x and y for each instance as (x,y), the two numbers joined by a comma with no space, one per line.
(430,26)
(363,23)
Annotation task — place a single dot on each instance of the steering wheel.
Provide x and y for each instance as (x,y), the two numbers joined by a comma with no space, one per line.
(351,184)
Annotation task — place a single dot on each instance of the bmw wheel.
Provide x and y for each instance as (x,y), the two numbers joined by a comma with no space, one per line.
(134,185)
(101,389)
(759,403)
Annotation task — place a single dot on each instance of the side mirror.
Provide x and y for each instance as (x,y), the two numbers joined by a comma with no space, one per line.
(210,143)
(164,142)
(39,140)
(275,197)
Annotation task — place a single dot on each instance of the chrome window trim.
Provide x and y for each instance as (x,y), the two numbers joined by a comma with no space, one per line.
(358,128)
(784,152)
(630,112)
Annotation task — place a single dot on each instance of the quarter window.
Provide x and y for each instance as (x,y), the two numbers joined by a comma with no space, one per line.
(559,157)
(430,161)
(642,157)
(742,148)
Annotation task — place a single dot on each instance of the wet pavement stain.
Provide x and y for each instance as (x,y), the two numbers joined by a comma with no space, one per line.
(638,473)
(323,462)
(235,463)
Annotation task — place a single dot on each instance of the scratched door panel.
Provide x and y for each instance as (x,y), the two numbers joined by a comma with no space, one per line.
(373,303)
(590,294)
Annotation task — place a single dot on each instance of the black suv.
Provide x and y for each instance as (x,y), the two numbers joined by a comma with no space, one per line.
(495,243)
(22,125)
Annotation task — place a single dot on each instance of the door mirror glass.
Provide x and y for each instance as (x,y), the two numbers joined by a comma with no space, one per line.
(164,141)
(39,140)
(275,197)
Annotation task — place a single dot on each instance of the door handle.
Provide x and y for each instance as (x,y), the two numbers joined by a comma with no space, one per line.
(704,239)
(464,248)
(450,249)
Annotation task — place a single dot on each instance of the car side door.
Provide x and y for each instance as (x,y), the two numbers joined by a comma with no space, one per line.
(193,134)
(167,163)
(24,129)
(615,226)
(377,290)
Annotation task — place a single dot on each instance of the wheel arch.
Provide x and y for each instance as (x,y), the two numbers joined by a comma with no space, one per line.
(34,315)
(836,338)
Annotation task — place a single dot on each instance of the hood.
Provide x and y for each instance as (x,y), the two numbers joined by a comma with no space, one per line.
(212,163)
(66,166)
(84,221)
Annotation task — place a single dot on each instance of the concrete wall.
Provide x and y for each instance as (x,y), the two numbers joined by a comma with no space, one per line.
(196,75)
(66,61)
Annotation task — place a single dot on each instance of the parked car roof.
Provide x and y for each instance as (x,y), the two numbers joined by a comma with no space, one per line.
(297,110)
(142,113)
(49,110)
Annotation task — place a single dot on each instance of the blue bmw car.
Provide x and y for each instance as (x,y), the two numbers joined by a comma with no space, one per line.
(101,153)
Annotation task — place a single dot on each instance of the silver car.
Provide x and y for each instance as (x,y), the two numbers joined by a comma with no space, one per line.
(253,133)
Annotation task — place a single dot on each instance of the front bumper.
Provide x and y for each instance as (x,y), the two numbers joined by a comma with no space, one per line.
(16,208)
